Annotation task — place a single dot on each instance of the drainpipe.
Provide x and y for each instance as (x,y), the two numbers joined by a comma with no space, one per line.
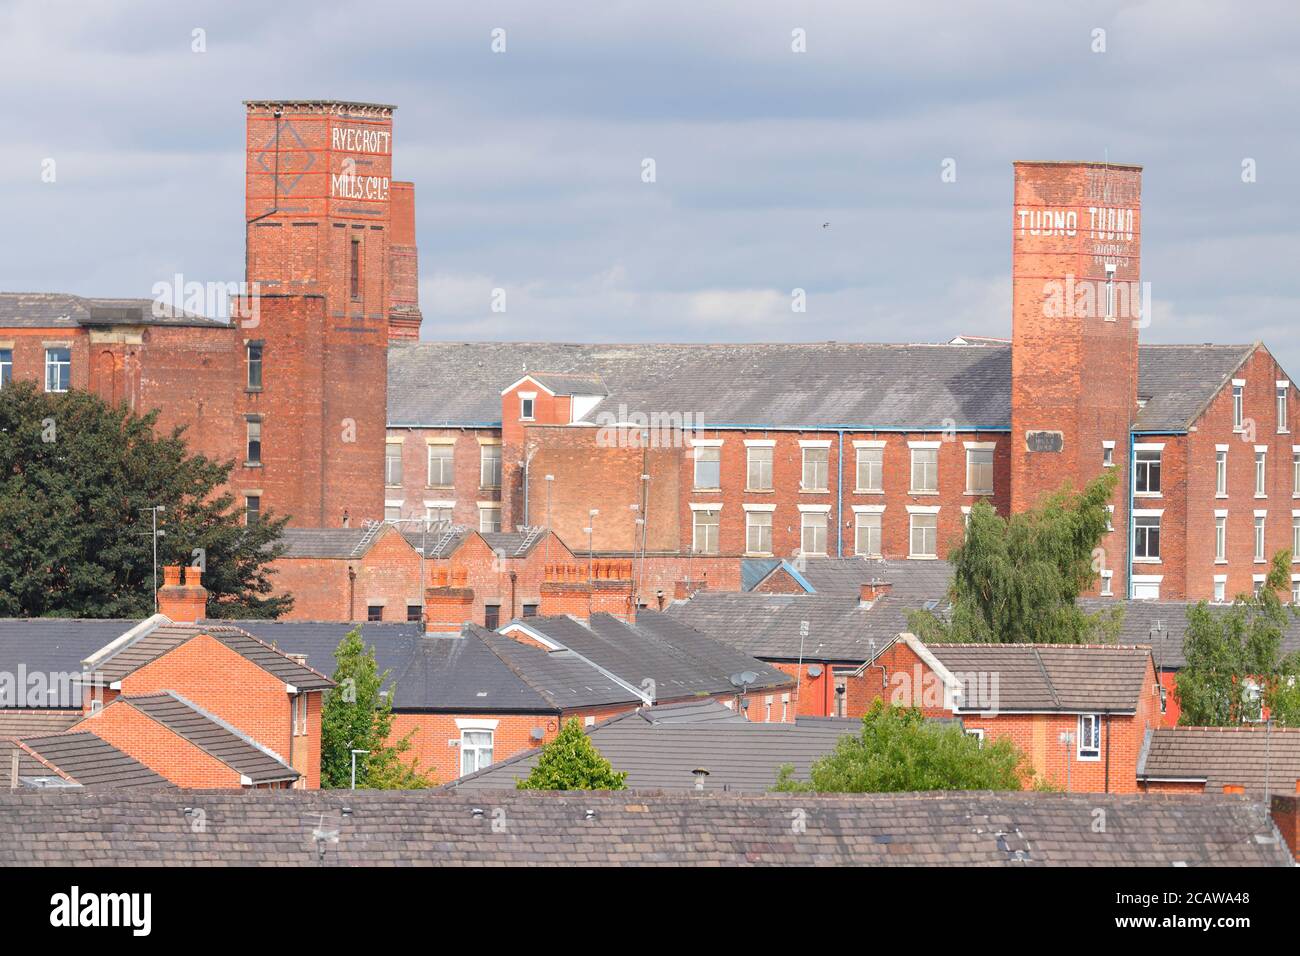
(352,591)
(1128,544)
(839,497)
(1107,726)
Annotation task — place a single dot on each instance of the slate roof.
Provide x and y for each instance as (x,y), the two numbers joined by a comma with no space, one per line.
(768,626)
(779,385)
(1044,678)
(1163,626)
(383,828)
(26,723)
(1224,756)
(40,310)
(789,385)
(660,747)
(55,646)
(337,543)
(153,642)
(1178,381)
(210,734)
(677,659)
(563,678)
(84,759)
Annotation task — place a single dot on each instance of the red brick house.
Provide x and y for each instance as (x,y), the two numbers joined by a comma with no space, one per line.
(1081,713)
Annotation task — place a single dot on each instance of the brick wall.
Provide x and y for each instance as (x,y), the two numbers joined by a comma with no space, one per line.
(215,678)
(161,750)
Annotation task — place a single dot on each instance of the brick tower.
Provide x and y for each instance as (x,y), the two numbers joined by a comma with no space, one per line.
(1076,310)
(319,208)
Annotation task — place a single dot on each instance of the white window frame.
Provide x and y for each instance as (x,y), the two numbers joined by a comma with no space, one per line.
(766,450)
(1142,470)
(1221,537)
(870,454)
(1108,454)
(468,727)
(914,512)
(979,448)
(489,461)
(528,406)
(929,469)
(752,526)
(1261,539)
(393,504)
(56,366)
(489,515)
(1261,471)
(820,449)
(450,460)
(1283,393)
(706,452)
(1107,583)
(1238,404)
(814,519)
(1090,753)
(388,477)
(1221,471)
(715,511)
(863,520)
(1145,515)
(431,506)
(1220,589)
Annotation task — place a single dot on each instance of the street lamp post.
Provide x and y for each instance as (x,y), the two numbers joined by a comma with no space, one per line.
(354,766)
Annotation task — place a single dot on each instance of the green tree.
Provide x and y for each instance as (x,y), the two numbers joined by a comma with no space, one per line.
(1231,651)
(899,750)
(358,716)
(1016,579)
(77,477)
(572,762)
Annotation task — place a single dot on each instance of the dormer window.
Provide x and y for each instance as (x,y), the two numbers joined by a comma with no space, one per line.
(527,403)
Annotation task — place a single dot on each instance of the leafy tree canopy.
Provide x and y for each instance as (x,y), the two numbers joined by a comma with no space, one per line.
(1015,579)
(1235,666)
(899,750)
(572,762)
(77,480)
(357,716)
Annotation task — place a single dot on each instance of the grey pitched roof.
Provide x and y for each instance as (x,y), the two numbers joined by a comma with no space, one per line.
(1053,677)
(768,626)
(210,734)
(1163,626)
(383,828)
(86,760)
(1178,380)
(658,653)
(805,385)
(660,747)
(1224,756)
(754,570)
(461,673)
(27,723)
(38,310)
(55,646)
(571,383)
(779,385)
(339,543)
(563,678)
(154,642)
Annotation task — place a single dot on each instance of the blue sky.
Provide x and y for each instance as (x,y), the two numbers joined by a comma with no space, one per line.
(528,163)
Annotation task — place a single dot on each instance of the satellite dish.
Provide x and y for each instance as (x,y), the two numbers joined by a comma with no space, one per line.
(815,670)
(743,679)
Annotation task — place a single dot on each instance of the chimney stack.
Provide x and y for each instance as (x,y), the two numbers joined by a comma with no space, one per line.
(448,603)
(1285,809)
(567,589)
(685,589)
(183,603)
(871,590)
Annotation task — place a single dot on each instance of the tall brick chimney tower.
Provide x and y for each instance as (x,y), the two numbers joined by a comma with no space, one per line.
(1076,310)
(320,220)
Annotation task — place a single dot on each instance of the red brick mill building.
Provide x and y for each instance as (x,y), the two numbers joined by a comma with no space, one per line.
(686,458)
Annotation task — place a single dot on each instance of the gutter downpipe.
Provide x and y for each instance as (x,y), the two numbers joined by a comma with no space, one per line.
(1128,544)
(839,497)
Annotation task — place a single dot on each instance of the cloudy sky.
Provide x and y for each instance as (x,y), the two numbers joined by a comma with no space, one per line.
(528,163)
